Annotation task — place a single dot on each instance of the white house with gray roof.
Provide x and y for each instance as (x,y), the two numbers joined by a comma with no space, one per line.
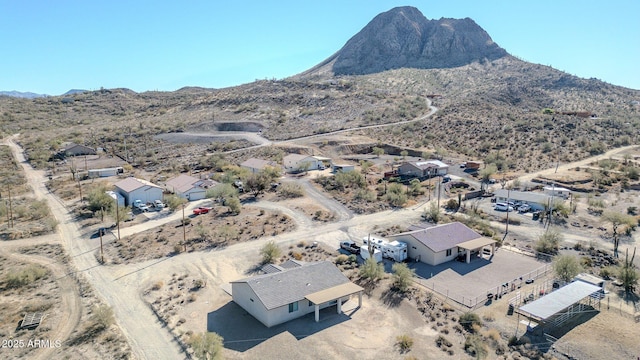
(287,293)
(441,243)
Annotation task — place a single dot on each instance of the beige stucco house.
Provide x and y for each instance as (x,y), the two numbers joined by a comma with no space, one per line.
(441,243)
(287,293)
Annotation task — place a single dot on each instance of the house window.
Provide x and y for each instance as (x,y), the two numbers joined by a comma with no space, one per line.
(448,252)
(293,307)
(310,303)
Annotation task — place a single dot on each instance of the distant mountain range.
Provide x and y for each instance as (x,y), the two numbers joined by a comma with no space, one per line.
(30,95)
(18,94)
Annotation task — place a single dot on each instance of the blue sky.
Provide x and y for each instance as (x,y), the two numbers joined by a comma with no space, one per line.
(53,46)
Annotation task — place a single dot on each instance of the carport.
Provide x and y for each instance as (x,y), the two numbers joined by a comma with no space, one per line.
(477,244)
(562,304)
(335,293)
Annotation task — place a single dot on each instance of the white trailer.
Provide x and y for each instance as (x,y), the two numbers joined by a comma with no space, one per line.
(377,243)
(364,252)
(395,250)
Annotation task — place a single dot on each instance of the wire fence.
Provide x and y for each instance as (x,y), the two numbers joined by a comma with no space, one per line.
(468,303)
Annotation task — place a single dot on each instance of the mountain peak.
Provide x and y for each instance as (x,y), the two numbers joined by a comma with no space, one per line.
(404,38)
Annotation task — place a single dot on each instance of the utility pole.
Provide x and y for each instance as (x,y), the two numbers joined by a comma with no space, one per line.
(506,229)
(438,194)
(118,217)
(101,250)
(80,187)
(10,208)
(184,229)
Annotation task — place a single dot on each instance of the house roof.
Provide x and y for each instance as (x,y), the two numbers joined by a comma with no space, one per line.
(528,196)
(130,184)
(260,164)
(281,288)
(182,183)
(442,237)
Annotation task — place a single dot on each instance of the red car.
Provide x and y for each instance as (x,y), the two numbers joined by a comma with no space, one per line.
(201,210)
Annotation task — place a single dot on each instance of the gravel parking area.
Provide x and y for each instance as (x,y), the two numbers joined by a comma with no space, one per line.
(469,283)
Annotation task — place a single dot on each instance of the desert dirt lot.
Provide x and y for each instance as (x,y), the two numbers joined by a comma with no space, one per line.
(122,286)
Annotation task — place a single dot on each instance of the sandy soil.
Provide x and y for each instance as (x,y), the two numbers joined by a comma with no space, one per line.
(121,286)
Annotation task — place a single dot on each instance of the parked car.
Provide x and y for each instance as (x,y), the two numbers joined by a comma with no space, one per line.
(201,210)
(503,207)
(158,205)
(524,208)
(138,204)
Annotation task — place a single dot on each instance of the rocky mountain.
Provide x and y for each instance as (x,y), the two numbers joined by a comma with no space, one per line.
(404,38)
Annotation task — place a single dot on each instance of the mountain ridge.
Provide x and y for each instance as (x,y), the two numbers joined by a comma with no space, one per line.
(404,38)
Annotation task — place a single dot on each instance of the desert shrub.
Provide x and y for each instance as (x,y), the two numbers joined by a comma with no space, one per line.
(198,284)
(341,259)
(474,346)
(157,286)
(25,276)
(363,194)
(451,204)
(396,195)
(371,270)
(402,276)
(206,346)
(177,248)
(549,242)
(606,272)
(432,213)
(174,202)
(468,320)
(102,317)
(566,267)
(442,341)
(270,252)
(404,343)
(291,190)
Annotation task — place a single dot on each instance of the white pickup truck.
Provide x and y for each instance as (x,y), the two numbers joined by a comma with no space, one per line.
(140,205)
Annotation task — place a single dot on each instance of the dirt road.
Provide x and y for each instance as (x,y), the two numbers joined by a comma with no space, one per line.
(579,163)
(68,287)
(148,339)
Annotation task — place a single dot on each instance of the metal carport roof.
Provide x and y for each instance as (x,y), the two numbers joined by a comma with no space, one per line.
(551,304)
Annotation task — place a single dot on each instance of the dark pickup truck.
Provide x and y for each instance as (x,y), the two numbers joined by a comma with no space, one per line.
(350,246)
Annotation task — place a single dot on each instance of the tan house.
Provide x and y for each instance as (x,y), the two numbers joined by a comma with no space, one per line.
(287,293)
(73,149)
(189,187)
(423,168)
(441,243)
(298,162)
(256,165)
